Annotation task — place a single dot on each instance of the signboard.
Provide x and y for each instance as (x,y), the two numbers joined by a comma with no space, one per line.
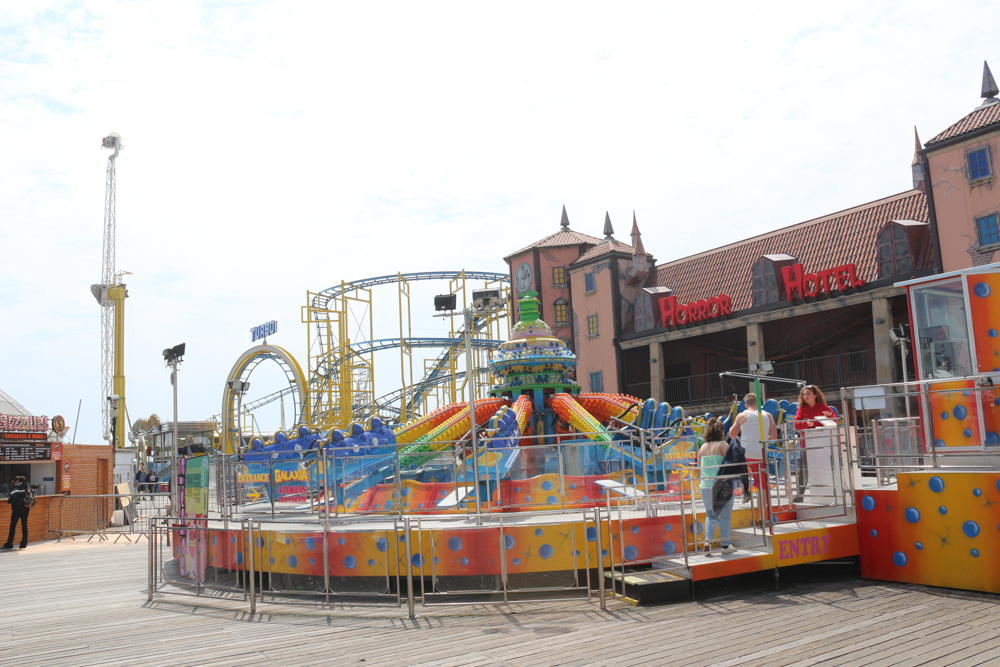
(67,475)
(25,452)
(839,278)
(196,486)
(263,330)
(678,314)
(24,423)
(20,436)
(289,484)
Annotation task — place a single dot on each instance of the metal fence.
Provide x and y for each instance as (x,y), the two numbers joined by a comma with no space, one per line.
(105,516)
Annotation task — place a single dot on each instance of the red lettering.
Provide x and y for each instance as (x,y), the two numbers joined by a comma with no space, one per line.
(843,280)
(827,277)
(668,309)
(852,273)
(794,278)
(713,306)
(810,278)
(725,305)
(3,422)
(682,314)
(45,423)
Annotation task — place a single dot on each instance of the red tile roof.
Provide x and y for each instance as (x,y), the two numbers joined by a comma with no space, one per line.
(978,119)
(604,248)
(847,237)
(564,237)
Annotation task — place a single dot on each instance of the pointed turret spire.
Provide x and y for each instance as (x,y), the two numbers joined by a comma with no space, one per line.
(917,166)
(608,229)
(916,150)
(990,89)
(637,248)
(564,223)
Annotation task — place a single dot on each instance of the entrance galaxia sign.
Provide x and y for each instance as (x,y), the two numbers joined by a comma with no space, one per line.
(838,278)
(678,314)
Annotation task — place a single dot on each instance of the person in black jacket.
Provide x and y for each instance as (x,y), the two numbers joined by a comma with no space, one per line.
(18,512)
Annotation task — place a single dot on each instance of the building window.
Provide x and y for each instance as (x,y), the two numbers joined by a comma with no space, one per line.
(591,283)
(979,164)
(562,312)
(765,283)
(558,276)
(592,326)
(597,381)
(643,312)
(893,252)
(987,228)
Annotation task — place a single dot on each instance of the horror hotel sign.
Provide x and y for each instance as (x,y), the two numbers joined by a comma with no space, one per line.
(678,314)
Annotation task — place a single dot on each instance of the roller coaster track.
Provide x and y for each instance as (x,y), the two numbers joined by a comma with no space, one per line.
(323,297)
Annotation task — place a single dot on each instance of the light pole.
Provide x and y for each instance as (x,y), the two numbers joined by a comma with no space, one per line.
(901,337)
(483,302)
(172,357)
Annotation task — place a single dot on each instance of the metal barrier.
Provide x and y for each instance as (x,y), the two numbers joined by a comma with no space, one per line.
(105,516)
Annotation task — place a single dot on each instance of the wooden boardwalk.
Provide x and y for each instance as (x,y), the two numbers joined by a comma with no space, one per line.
(85,604)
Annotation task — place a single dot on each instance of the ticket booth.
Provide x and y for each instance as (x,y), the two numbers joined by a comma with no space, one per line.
(956,346)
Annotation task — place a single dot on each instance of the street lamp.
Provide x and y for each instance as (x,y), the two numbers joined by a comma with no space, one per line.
(900,336)
(240,388)
(172,357)
(483,302)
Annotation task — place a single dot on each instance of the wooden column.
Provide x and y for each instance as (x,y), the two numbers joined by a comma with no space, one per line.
(656,367)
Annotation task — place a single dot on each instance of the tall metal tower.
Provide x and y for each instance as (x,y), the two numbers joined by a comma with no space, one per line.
(110,294)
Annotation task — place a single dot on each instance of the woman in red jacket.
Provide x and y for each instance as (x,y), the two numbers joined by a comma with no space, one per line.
(812,405)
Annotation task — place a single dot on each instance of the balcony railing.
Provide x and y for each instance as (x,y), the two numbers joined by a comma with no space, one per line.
(829,373)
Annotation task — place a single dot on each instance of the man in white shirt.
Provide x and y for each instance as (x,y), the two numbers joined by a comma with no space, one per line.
(747,427)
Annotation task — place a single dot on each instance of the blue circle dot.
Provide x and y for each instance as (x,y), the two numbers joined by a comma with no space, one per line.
(464,561)
(635,529)
(436,561)
(920,546)
(992,439)
(943,509)
(631,553)
(406,491)
(547,485)
(975,553)
(874,532)
(371,562)
(967,433)
(667,527)
(944,415)
(977,492)
(970,528)
(546,551)
(868,503)
(572,486)
(552,500)
(381,544)
(538,532)
(899,558)
(527,499)
(455,544)
(288,541)
(960,412)
(388,504)
(993,333)
(517,489)
(695,527)
(576,553)
(938,443)
(669,547)
(213,540)
(417,560)
(982,290)
(342,541)
(232,540)
(508,541)
(936,484)
(912,514)
(293,561)
(260,542)
(350,562)
(310,543)
(312,561)
(591,534)
(516,561)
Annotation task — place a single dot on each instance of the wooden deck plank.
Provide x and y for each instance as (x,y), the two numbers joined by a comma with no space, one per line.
(77,600)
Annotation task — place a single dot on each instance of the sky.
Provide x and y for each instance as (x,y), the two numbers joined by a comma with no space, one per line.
(275,148)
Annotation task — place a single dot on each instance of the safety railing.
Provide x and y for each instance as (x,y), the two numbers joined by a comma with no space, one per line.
(105,516)
(939,424)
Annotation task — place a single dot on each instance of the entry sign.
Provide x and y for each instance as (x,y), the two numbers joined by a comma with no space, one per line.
(263,330)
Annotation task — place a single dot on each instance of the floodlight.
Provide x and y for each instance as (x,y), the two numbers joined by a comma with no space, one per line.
(445,302)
